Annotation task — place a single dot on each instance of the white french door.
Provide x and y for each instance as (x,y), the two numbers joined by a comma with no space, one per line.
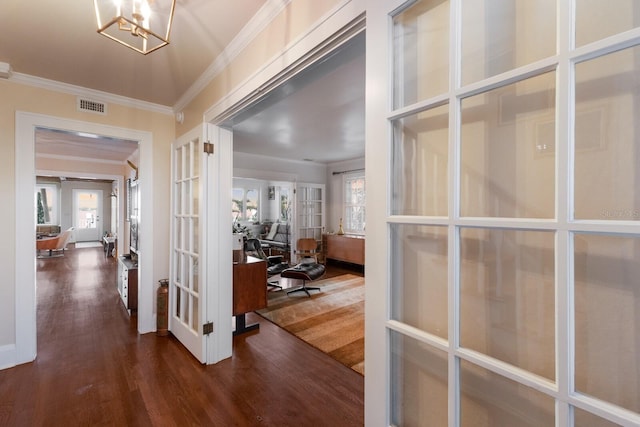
(503,236)
(187,275)
(309,212)
(87,215)
(200,284)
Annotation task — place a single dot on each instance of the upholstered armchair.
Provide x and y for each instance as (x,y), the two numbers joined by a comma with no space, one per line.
(57,243)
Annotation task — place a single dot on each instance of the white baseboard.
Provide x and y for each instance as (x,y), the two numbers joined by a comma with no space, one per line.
(7,356)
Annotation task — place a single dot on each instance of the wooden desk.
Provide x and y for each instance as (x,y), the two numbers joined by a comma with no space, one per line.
(249,290)
(345,248)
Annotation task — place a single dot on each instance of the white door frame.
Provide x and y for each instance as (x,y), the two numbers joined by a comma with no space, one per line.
(219,254)
(25,281)
(347,19)
(95,232)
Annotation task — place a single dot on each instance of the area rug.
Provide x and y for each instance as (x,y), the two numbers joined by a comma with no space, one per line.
(331,320)
(81,245)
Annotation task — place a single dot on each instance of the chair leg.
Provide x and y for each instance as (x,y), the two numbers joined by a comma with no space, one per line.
(274,285)
(304,288)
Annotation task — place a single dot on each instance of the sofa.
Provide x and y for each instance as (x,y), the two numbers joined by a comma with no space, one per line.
(278,236)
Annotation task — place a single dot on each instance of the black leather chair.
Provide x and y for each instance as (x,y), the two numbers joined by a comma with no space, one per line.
(306,271)
(275,263)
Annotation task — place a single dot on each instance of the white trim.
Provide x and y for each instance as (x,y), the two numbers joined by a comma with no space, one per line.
(26,124)
(258,22)
(378,375)
(219,262)
(7,356)
(266,158)
(96,95)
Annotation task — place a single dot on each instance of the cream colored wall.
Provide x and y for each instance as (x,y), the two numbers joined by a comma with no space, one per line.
(19,97)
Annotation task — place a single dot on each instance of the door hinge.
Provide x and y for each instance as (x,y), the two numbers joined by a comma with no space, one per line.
(207,328)
(208,147)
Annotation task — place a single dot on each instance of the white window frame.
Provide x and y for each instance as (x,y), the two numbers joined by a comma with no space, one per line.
(346,205)
(55,211)
(243,215)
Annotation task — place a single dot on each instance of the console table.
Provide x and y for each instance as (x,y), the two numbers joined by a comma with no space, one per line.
(128,282)
(249,290)
(344,248)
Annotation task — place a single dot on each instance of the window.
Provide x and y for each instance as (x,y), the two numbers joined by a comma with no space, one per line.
(47,204)
(354,204)
(245,204)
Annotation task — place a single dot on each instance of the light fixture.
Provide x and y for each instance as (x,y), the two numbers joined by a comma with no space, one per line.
(142,25)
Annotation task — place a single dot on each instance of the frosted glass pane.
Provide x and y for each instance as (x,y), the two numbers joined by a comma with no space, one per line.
(585,419)
(187,160)
(499,36)
(597,19)
(490,400)
(607,141)
(421,52)
(188,200)
(607,318)
(420,163)
(197,157)
(196,196)
(177,198)
(508,151)
(507,296)
(196,236)
(418,383)
(419,271)
(194,272)
(178,163)
(195,318)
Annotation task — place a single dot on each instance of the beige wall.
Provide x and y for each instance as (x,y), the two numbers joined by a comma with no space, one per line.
(19,97)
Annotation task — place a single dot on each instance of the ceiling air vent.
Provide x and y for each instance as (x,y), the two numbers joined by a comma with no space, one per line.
(92,106)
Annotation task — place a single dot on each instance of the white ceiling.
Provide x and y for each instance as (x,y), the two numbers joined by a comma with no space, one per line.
(319,116)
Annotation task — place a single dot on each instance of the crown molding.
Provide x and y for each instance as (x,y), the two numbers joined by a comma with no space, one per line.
(258,22)
(265,159)
(93,94)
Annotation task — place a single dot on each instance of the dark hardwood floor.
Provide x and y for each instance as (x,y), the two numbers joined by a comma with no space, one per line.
(93,368)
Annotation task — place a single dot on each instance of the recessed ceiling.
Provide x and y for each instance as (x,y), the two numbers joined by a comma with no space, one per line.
(317,115)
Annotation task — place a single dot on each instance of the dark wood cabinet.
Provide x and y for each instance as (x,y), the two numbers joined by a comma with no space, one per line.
(249,290)
(344,248)
(249,285)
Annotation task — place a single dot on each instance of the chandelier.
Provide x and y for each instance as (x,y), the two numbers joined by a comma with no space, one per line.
(142,25)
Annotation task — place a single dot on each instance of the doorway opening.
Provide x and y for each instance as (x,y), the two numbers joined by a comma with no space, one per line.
(27,126)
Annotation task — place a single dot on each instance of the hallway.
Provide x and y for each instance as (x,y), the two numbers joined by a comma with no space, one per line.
(94,369)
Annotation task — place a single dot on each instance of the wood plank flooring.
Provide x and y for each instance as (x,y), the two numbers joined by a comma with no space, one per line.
(93,368)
